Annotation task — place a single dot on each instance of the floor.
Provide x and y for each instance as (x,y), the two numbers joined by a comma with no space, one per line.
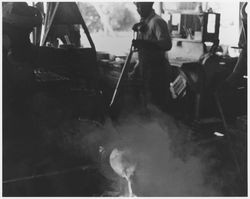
(59,155)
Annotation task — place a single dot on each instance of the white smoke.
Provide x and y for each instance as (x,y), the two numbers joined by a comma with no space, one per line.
(164,166)
(167,163)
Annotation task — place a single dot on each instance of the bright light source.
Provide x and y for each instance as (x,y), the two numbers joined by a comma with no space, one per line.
(218,134)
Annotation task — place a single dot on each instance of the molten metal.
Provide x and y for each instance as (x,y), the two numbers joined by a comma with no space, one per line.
(120,164)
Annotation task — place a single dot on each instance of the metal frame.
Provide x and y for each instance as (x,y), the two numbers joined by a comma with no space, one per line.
(50,20)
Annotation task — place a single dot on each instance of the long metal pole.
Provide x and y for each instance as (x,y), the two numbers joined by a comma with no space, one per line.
(125,66)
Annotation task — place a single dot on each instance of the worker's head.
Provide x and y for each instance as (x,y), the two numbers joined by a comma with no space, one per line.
(144,8)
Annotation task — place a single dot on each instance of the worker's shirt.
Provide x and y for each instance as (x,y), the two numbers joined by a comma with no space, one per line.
(156,29)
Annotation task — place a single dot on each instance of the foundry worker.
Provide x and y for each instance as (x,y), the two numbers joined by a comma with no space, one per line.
(153,40)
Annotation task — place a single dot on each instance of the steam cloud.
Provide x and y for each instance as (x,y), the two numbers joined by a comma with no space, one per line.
(164,165)
(167,163)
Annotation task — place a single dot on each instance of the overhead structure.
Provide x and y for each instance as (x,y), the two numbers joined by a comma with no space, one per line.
(64,13)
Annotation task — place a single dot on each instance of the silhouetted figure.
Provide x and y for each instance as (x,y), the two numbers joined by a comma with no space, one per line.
(152,41)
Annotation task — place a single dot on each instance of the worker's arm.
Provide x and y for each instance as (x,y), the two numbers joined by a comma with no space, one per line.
(163,41)
(163,44)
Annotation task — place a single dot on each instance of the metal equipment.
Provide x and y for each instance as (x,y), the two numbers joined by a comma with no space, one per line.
(64,13)
(124,71)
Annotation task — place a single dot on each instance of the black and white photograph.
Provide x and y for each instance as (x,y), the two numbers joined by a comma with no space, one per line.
(124,98)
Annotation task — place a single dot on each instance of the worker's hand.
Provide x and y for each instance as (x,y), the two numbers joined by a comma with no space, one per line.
(136,27)
(139,27)
(143,44)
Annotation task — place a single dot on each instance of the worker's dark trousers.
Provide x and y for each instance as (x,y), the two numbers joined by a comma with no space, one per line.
(156,85)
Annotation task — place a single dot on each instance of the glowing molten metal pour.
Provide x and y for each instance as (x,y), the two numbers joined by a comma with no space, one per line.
(120,164)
